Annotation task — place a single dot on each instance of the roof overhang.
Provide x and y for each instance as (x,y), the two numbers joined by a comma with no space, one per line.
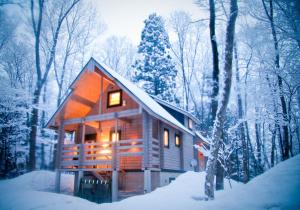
(90,66)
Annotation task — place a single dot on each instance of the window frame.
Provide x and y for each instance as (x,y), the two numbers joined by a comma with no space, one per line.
(179,138)
(108,97)
(168,145)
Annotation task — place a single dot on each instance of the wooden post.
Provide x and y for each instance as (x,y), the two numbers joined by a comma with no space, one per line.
(61,136)
(161,145)
(147,136)
(81,154)
(100,95)
(77,179)
(181,151)
(114,185)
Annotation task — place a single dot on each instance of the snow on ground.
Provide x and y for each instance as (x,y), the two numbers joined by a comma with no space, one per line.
(278,188)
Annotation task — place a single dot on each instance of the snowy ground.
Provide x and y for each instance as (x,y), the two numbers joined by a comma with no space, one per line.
(279,188)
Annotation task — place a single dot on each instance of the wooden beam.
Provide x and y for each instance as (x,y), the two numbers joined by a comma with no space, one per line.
(106,116)
(83,100)
(61,136)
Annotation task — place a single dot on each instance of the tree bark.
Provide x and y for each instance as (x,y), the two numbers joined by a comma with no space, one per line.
(279,79)
(221,112)
(241,116)
(215,54)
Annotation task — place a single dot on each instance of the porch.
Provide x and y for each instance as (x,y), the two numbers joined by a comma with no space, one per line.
(108,148)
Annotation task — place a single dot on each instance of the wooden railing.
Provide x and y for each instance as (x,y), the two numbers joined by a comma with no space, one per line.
(100,155)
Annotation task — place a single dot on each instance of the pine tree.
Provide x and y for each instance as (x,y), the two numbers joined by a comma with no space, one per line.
(155,71)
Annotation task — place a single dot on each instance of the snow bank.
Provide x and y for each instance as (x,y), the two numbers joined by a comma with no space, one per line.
(279,188)
(39,181)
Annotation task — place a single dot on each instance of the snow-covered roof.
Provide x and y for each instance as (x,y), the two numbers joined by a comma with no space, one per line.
(204,139)
(150,104)
(147,102)
(178,109)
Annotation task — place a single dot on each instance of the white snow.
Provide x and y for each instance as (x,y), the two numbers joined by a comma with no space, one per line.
(278,188)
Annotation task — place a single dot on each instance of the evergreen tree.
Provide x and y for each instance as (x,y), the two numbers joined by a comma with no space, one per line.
(155,71)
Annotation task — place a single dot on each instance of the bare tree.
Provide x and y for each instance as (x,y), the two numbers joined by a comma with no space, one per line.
(119,54)
(270,15)
(224,98)
(43,66)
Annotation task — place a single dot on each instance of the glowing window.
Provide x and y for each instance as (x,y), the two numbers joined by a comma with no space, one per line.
(114,98)
(115,136)
(177,140)
(166,138)
(190,124)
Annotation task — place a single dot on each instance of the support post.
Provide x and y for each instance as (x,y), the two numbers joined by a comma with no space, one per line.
(147,136)
(114,186)
(77,179)
(81,153)
(147,180)
(61,136)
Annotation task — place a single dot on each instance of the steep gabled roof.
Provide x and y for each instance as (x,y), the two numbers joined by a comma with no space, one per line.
(178,109)
(147,102)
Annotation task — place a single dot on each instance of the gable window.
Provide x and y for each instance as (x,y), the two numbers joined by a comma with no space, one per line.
(177,140)
(114,98)
(190,124)
(166,138)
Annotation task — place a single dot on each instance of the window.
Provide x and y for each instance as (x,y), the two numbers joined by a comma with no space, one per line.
(90,137)
(114,98)
(190,124)
(115,136)
(166,138)
(177,140)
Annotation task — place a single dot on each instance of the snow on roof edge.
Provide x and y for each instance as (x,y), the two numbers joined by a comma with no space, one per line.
(140,94)
(178,109)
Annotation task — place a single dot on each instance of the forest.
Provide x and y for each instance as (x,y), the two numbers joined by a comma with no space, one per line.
(235,67)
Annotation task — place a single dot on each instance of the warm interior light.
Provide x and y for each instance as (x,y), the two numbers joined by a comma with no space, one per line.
(190,124)
(115,136)
(105,151)
(166,138)
(177,140)
(115,98)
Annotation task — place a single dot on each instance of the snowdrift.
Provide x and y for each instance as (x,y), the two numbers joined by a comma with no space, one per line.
(278,188)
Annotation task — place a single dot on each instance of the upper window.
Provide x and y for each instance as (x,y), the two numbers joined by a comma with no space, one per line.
(114,98)
(166,137)
(177,140)
(190,123)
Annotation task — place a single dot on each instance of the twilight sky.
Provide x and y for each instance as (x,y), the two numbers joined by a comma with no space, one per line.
(125,18)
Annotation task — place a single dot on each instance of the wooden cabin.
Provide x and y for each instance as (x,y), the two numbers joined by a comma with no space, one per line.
(118,140)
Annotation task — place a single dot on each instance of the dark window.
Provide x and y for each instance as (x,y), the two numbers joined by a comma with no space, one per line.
(166,138)
(90,137)
(114,98)
(177,140)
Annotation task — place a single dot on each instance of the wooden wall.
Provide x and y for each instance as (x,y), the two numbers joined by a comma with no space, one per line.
(171,155)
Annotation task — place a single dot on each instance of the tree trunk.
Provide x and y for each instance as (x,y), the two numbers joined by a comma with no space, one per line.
(221,112)
(215,54)
(33,131)
(241,115)
(215,85)
(279,79)
(258,142)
